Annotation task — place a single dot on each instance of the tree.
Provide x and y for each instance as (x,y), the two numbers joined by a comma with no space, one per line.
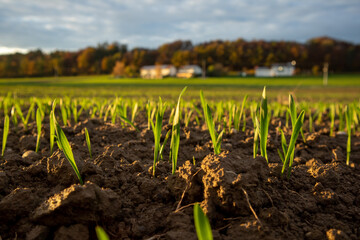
(119,69)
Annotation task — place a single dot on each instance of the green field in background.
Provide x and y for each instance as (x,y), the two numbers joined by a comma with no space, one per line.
(340,87)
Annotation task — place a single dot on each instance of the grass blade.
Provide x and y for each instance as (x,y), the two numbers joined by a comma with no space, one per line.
(88,143)
(65,146)
(129,122)
(101,234)
(202,224)
(264,125)
(348,118)
(38,125)
(175,134)
(5,134)
(291,147)
(52,126)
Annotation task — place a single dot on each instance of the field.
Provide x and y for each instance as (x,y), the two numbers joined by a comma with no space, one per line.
(266,166)
(340,87)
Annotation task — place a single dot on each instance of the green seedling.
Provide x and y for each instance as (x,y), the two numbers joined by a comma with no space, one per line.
(310,121)
(171,117)
(255,121)
(202,224)
(129,122)
(14,117)
(341,118)
(292,111)
(156,128)
(93,112)
(283,146)
(88,143)
(188,117)
(349,119)
(101,234)
(241,114)
(164,144)
(175,135)
(52,126)
(114,112)
(38,125)
(244,122)
(64,113)
(24,120)
(287,119)
(75,112)
(41,108)
(197,120)
(289,153)
(148,113)
(215,137)
(65,146)
(264,125)
(232,109)
(5,134)
(134,111)
(256,137)
(107,112)
(332,119)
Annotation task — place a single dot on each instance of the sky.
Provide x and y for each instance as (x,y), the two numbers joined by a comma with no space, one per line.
(72,25)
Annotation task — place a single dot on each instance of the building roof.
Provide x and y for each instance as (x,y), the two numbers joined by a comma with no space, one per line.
(149,67)
(288,64)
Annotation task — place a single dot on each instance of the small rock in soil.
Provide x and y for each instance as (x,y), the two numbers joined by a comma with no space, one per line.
(30,155)
(27,142)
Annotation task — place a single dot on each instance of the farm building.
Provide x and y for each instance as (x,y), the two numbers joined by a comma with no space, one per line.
(189,71)
(158,71)
(263,72)
(276,70)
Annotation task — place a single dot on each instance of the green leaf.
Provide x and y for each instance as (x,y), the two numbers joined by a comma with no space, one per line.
(242,108)
(264,125)
(202,224)
(52,125)
(348,117)
(88,143)
(65,146)
(215,138)
(101,234)
(38,124)
(156,128)
(281,156)
(283,142)
(294,136)
(163,145)
(292,110)
(129,122)
(5,134)
(175,134)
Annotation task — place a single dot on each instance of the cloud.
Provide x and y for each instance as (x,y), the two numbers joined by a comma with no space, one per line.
(65,24)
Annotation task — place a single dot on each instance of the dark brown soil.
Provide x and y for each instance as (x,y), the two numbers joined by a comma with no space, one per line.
(244,198)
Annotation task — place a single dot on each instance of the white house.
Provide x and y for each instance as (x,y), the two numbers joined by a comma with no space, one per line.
(189,71)
(263,72)
(158,71)
(283,70)
(276,70)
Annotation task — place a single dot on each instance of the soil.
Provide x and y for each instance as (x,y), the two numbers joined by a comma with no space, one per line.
(244,198)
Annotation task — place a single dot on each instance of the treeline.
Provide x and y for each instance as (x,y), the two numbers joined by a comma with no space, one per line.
(220,57)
